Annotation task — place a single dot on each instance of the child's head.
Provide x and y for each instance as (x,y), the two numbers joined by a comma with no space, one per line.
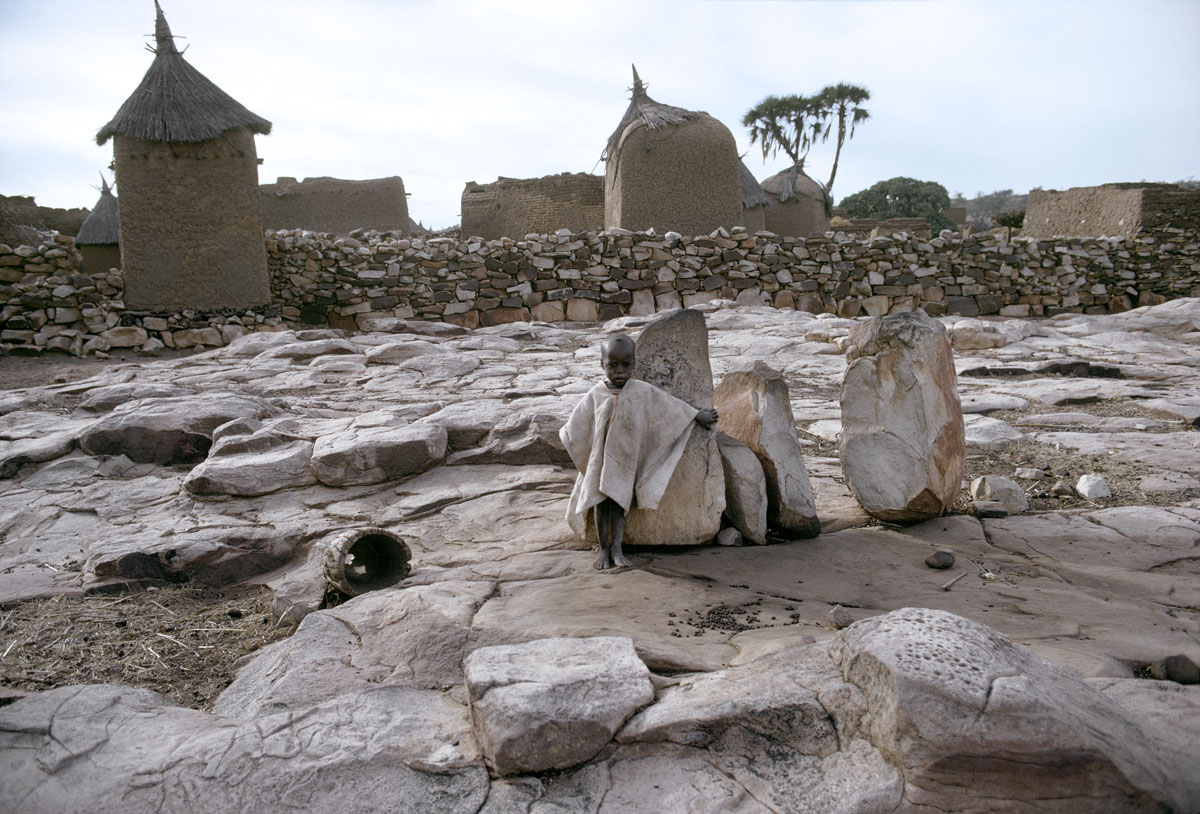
(616,357)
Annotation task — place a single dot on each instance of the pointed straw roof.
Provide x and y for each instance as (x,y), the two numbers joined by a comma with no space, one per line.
(175,102)
(651,113)
(752,192)
(102,225)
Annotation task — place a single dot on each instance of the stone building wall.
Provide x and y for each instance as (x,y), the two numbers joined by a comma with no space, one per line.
(191,232)
(515,207)
(1111,209)
(335,205)
(682,178)
(363,284)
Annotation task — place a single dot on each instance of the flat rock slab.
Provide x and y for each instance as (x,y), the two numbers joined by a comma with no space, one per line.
(410,637)
(1175,451)
(140,754)
(374,454)
(553,703)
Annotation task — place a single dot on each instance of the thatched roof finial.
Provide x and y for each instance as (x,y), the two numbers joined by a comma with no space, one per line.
(105,189)
(647,111)
(164,43)
(639,88)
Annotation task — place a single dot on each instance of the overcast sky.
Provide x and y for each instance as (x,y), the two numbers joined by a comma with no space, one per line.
(977,96)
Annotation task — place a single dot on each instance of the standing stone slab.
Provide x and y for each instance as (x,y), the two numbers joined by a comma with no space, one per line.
(755,409)
(553,703)
(672,353)
(902,443)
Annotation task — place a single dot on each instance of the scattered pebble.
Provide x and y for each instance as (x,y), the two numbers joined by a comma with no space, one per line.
(839,618)
(234,613)
(729,536)
(1029,473)
(1092,487)
(940,559)
(1062,489)
(990,508)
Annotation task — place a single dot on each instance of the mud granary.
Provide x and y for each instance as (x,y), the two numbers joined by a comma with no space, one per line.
(186,165)
(670,169)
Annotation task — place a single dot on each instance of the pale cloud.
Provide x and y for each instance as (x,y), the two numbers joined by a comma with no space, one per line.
(974,95)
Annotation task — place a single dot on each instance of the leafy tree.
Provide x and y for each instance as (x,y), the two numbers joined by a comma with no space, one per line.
(902,198)
(844,103)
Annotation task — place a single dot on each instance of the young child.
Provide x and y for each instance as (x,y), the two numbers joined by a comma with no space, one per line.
(626,437)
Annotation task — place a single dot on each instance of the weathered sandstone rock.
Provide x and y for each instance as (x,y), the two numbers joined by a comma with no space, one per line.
(902,441)
(1002,490)
(972,718)
(140,754)
(169,430)
(374,454)
(754,408)
(553,703)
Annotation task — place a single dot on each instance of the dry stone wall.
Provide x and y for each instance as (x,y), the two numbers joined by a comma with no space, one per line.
(365,282)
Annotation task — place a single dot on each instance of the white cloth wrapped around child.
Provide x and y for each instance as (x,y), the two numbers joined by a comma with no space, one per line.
(626,444)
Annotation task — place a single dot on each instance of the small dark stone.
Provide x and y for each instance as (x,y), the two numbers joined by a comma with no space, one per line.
(234,613)
(1178,668)
(940,559)
(120,623)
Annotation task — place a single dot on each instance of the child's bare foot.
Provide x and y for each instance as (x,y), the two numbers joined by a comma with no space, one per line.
(603,562)
(621,561)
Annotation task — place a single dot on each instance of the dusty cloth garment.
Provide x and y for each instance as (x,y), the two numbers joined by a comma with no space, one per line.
(626,444)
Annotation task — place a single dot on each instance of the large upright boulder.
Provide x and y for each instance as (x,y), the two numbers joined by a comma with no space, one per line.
(755,409)
(672,353)
(902,445)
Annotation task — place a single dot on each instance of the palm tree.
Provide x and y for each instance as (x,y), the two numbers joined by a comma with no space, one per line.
(789,123)
(842,101)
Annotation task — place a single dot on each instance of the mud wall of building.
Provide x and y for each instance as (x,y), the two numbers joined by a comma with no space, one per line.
(515,207)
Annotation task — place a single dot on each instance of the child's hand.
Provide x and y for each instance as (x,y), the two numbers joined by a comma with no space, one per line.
(706,418)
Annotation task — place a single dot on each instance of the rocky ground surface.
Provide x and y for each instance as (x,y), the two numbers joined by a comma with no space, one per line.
(732,686)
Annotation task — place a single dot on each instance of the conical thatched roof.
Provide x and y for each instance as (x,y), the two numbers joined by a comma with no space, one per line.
(651,113)
(175,102)
(752,192)
(102,226)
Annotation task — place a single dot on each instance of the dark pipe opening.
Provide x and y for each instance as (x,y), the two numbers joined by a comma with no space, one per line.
(375,561)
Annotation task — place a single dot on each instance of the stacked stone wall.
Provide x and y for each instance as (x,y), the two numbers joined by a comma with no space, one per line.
(362,283)
(515,207)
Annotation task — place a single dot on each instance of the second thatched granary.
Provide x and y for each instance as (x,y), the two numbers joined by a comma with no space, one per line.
(99,237)
(798,204)
(670,169)
(191,229)
(754,200)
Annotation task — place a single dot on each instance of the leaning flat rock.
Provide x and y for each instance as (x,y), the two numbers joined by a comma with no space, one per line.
(108,749)
(745,489)
(902,441)
(174,429)
(672,353)
(972,718)
(553,703)
(754,409)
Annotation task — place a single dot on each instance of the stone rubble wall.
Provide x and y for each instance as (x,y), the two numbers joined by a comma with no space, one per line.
(360,283)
